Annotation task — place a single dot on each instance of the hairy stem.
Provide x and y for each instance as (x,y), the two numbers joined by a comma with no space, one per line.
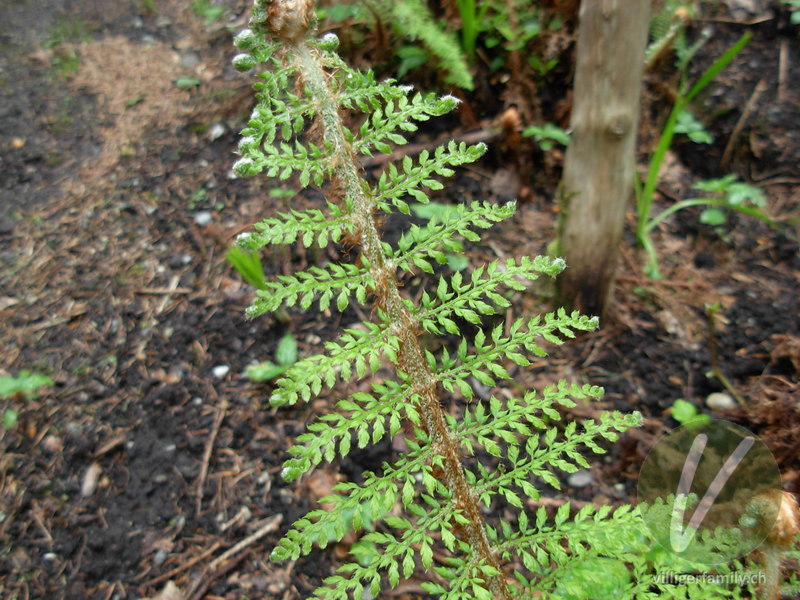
(402,322)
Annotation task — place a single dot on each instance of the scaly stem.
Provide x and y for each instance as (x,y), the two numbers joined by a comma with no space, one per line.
(402,322)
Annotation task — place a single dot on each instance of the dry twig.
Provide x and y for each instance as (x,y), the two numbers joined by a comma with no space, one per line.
(184,566)
(737,130)
(217,568)
(209,448)
(269,526)
(783,69)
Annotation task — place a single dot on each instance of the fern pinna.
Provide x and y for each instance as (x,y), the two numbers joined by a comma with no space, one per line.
(437,493)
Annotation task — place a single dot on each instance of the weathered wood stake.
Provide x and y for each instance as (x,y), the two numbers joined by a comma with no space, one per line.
(599,166)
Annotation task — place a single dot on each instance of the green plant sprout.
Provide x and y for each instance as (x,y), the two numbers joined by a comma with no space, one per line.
(279,192)
(493,19)
(547,135)
(472,15)
(646,192)
(24,385)
(186,82)
(794,8)
(285,357)
(724,194)
(514,32)
(688,125)
(728,194)
(686,413)
(248,265)
(208,11)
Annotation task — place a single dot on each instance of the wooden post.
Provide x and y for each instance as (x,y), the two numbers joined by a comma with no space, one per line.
(599,165)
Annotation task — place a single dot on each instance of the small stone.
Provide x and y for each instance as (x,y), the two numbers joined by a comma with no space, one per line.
(720,401)
(580,479)
(74,429)
(179,260)
(52,444)
(276,587)
(159,558)
(216,131)
(202,218)
(90,479)
(367,595)
(670,323)
(220,371)
(169,592)
(190,60)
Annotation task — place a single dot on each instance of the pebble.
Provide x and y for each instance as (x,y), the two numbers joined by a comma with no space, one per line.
(159,557)
(220,371)
(190,60)
(52,444)
(179,260)
(90,479)
(720,401)
(216,131)
(580,479)
(202,218)
(74,430)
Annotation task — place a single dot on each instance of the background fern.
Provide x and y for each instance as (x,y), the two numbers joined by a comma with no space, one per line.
(413,20)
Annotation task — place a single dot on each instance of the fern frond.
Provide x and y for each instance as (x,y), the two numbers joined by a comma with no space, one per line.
(310,226)
(479,296)
(355,349)
(395,184)
(364,416)
(340,280)
(433,494)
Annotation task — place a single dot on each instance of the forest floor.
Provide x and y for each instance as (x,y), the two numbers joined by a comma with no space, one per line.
(151,455)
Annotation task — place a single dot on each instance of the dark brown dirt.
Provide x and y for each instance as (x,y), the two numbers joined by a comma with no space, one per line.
(109,285)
